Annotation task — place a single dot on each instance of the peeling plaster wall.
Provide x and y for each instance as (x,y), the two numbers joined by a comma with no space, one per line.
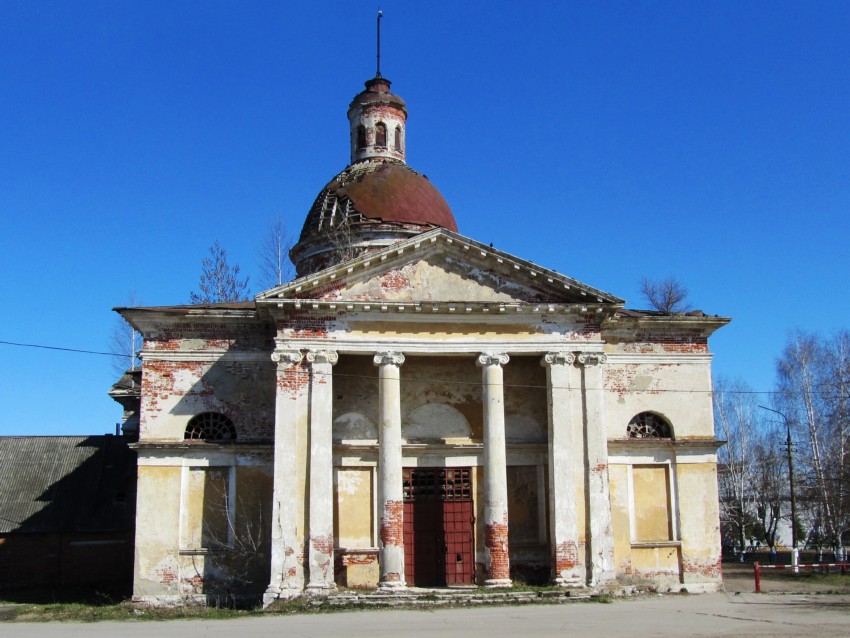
(175,391)
(156,571)
(699,513)
(188,368)
(438,278)
(680,392)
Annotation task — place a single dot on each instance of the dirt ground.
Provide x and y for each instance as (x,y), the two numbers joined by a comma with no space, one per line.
(738,577)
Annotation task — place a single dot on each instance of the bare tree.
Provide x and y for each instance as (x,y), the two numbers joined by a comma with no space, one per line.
(813,375)
(770,484)
(668,295)
(736,419)
(125,342)
(220,282)
(275,266)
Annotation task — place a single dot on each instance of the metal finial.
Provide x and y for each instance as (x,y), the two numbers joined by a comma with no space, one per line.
(380,15)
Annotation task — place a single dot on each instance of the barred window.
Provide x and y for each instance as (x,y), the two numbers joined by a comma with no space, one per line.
(210,426)
(648,425)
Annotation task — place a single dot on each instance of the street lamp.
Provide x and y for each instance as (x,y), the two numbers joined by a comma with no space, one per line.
(794,555)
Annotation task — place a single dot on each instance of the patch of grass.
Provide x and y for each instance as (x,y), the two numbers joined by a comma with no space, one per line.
(81,612)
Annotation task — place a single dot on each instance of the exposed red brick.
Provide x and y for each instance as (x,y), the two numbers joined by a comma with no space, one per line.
(708,569)
(392,524)
(323,544)
(496,542)
(565,556)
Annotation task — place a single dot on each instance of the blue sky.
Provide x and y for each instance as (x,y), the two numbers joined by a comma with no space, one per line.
(605,140)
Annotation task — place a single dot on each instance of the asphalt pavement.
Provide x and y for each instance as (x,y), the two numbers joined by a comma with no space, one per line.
(739,615)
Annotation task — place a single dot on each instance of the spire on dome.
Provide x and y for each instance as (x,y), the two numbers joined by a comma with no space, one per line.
(378,71)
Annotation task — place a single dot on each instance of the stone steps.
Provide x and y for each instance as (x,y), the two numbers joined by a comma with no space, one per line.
(445,597)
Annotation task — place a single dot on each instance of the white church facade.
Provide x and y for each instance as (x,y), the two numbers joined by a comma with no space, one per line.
(418,409)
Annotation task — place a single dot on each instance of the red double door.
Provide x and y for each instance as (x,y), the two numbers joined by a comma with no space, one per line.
(438,527)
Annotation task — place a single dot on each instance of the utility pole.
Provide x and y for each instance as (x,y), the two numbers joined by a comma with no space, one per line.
(789,444)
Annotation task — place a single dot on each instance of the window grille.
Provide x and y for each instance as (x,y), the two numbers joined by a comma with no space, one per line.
(210,426)
(648,425)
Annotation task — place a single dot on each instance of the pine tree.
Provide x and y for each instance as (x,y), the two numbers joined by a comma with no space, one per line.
(220,282)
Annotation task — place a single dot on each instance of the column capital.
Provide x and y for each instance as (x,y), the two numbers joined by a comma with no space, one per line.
(287,357)
(557,358)
(492,359)
(388,358)
(323,356)
(592,358)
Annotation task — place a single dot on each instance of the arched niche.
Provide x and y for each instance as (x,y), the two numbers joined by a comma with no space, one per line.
(521,428)
(354,426)
(435,422)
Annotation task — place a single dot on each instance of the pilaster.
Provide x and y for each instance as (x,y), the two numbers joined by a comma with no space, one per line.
(321,522)
(563,512)
(598,496)
(292,385)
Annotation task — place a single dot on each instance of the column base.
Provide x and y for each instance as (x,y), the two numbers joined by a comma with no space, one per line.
(275,593)
(568,583)
(320,589)
(494,583)
(392,585)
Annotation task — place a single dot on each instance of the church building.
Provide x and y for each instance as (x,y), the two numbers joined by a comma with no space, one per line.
(419,409)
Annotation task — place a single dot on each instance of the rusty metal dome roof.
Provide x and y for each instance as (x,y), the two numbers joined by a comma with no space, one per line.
(378,190)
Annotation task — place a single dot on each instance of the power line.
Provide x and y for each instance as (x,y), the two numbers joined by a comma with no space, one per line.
(445,382)
(43,347)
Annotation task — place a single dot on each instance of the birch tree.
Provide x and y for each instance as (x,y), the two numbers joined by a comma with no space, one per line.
(736,422)
(813,378)
(275,266)
(125,342)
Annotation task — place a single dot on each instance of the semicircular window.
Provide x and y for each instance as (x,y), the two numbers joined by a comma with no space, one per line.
(648,425)
(210,426)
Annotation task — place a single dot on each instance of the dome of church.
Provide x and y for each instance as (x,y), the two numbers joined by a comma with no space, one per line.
(377,199)
(378,191)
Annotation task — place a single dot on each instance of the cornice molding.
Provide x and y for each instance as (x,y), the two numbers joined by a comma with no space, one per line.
(208,356)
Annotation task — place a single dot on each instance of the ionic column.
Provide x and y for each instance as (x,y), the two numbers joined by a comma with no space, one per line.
(563,509)
(321,517)
(598,497)
(497,557)
(292,384)
(390,489)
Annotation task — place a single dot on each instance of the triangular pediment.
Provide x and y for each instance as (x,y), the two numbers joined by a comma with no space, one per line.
(440,266)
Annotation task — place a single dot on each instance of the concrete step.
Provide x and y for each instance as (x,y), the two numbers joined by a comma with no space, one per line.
(442,597)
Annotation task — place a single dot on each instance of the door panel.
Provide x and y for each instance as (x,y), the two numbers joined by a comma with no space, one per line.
(438,526)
